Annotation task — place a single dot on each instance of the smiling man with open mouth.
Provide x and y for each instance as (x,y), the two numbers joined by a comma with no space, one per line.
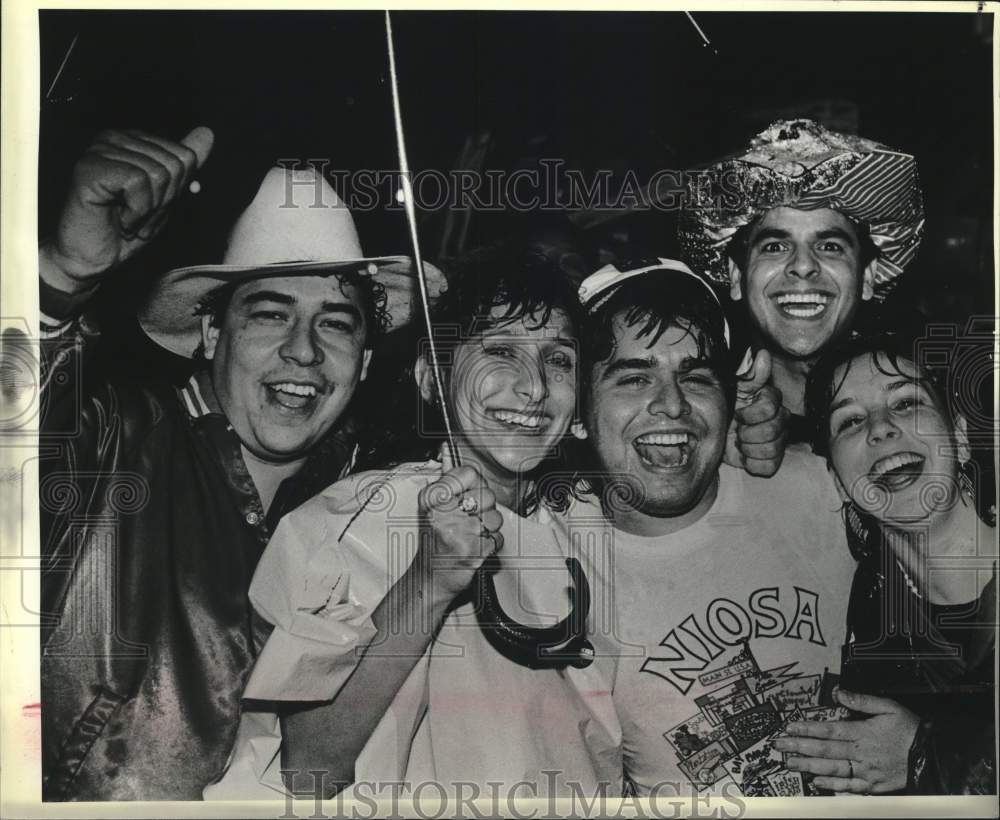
(280,335)
(803,227)
(712,583)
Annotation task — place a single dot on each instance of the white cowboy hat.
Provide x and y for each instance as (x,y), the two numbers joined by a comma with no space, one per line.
(295,226)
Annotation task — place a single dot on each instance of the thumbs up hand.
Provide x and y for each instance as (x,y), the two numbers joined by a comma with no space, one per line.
(756,438)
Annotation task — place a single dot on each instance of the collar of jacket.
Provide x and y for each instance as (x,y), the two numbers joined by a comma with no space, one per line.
(331,460)
(198,395)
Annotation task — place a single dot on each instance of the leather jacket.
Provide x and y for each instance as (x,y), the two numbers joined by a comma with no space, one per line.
(936,661)
(151,530)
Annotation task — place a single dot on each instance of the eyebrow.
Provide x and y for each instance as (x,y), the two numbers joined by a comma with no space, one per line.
(646,363)
(259,296)
(691,363)
(342,307)
(826,233)
(914,382)
(842,403)
(838,233)
(769,233)
(687,364)
(492,333)
(885,389)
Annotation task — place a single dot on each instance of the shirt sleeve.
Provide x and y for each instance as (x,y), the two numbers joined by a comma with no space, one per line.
(302,586)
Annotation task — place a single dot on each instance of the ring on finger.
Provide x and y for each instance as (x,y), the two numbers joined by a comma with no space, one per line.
(469,504)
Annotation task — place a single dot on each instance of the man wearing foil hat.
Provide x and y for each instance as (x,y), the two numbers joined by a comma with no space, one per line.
(804,226)
(157,506)
(720,597)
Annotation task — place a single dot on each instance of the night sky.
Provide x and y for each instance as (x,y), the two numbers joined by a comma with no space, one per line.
(597,90)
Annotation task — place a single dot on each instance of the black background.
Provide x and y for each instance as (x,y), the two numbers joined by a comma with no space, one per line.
(597,90)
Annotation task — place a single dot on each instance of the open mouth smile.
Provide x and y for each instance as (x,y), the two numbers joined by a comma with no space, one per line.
(294,396)
(897,471)
(515,420)
(661,451)
(803,305)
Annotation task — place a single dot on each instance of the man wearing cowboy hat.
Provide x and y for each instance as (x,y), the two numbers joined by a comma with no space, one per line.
(803,227)
(157,508)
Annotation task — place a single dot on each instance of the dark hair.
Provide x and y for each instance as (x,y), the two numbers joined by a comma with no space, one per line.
(739,246)
(885,349)
(510,275)
(654,303)
(822,383)
(373,304)
(513,275)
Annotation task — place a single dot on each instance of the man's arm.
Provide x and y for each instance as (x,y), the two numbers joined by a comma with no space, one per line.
(118,199)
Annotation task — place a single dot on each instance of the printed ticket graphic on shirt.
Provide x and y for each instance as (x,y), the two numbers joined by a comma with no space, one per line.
(741,708)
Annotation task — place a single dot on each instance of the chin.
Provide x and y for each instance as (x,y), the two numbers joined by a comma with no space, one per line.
(519,463)
(285,449)
(667,509)
(664,506)
(804,348)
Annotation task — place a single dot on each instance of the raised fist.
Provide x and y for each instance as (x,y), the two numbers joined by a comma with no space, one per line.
(122,190)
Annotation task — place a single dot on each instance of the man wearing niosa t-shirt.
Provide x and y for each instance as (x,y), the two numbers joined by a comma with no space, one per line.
(720,597)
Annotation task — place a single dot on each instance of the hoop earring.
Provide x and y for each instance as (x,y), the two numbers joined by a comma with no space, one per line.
(965,482)
(858,532)
(967,486)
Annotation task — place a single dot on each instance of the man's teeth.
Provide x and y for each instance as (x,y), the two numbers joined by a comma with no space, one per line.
(295,389)
(894,463)
(672,439)
(803,305)
(664,450)
(804,298)
(509,417)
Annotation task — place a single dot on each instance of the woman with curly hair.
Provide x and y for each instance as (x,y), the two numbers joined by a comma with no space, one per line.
(378,668)
(918,667)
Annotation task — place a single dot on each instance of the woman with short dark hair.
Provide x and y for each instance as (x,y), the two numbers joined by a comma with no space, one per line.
(922,616)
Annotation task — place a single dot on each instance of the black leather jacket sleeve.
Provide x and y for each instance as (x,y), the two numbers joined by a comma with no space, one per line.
(953,751)
(954,754)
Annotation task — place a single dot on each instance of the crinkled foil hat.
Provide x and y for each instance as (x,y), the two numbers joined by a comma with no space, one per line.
(801,164)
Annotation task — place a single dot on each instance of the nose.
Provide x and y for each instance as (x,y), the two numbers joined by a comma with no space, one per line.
(802,264)
(881,428)
(300,347)
(670,401)
(531,383)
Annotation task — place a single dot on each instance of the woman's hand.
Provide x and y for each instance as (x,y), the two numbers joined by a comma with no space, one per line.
(858,756)
(460,528)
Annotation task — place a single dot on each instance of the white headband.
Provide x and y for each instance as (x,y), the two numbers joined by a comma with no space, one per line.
(601,285)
